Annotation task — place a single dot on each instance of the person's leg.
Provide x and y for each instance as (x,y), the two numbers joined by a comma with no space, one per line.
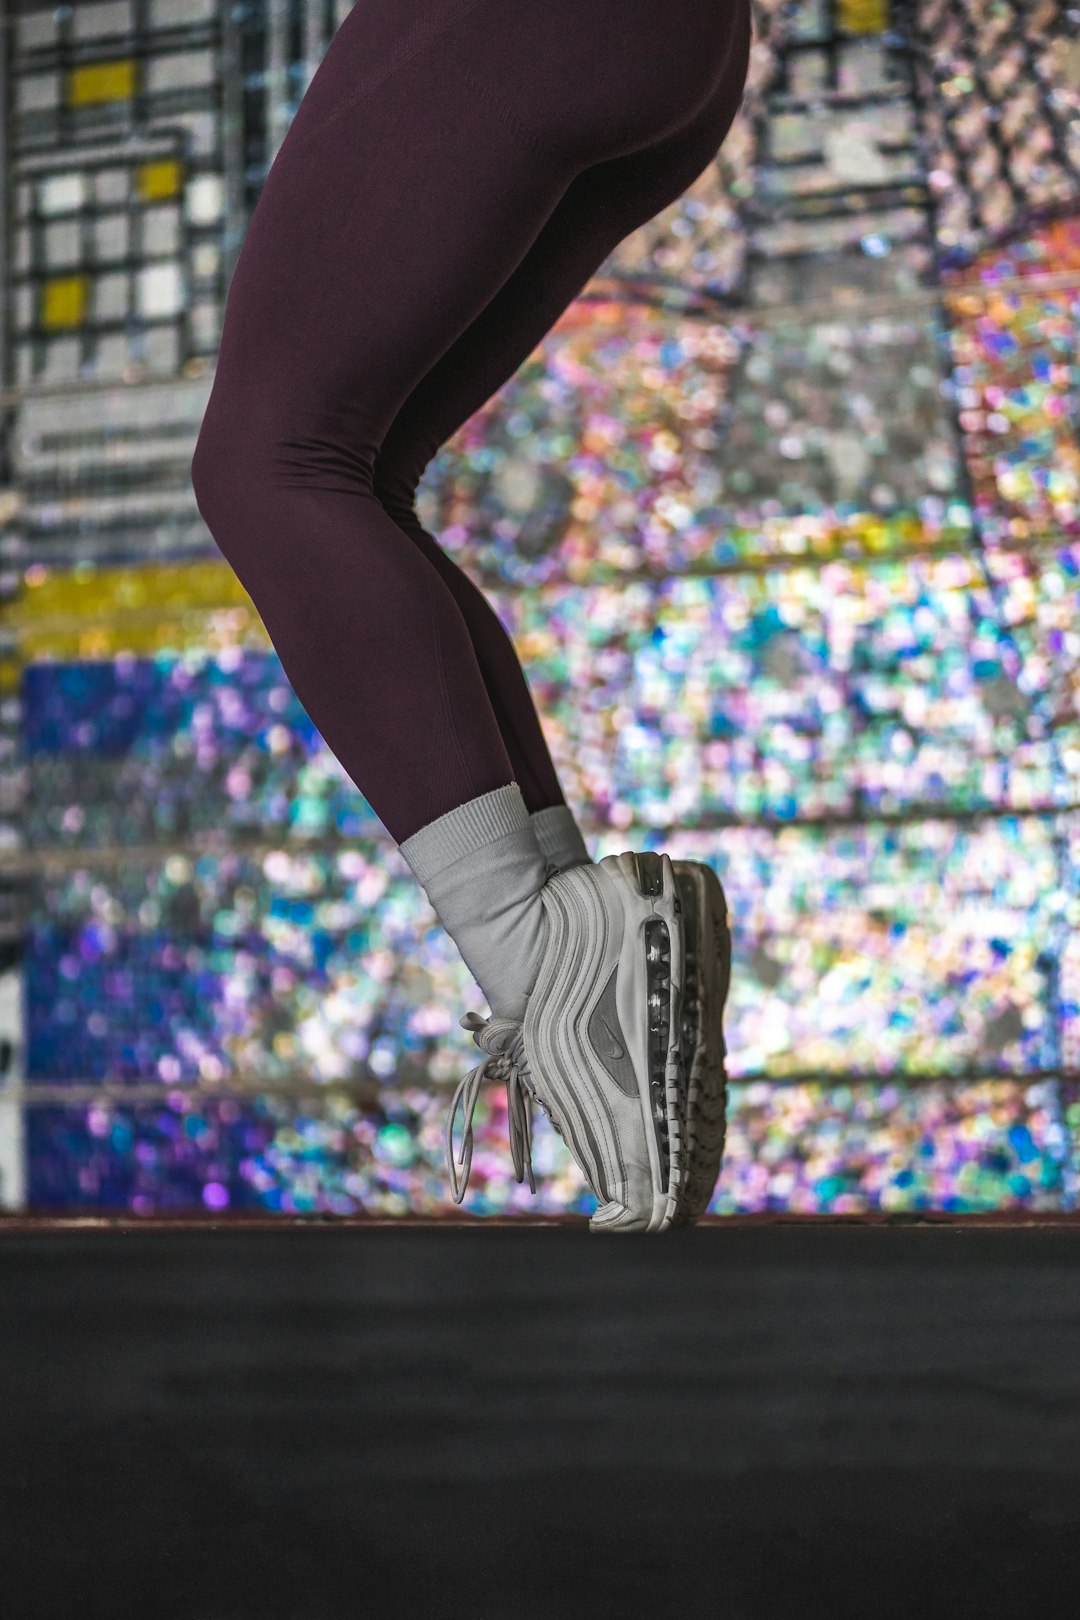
(404,196)
(407,190)
(602,206)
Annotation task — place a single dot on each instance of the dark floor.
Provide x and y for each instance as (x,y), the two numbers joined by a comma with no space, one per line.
(752,1423)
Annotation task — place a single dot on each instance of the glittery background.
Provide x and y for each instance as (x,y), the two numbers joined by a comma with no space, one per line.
(784,517)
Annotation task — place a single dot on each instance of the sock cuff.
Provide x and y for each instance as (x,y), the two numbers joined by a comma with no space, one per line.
(463,830)
(558,833)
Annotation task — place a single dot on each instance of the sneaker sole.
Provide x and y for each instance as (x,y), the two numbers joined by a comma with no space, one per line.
(654,947)
(707,981)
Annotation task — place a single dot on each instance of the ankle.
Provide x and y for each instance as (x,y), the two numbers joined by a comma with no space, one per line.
(482,870)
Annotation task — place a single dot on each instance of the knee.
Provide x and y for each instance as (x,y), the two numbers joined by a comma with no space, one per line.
(249,451)
(214,468)
(232,476)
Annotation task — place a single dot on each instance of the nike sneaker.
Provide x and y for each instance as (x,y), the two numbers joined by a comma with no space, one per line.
(598,1048)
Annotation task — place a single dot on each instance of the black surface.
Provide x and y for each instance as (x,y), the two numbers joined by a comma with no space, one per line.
(507,1424)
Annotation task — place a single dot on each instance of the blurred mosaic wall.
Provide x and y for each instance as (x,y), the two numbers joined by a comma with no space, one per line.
(785,519)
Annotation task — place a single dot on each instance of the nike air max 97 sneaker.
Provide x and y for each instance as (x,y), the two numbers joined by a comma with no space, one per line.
(599,1046)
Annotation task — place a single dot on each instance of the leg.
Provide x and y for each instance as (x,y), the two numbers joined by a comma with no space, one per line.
(603,205)
(407,191)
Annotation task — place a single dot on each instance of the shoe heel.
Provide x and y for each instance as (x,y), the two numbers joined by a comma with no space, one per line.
(707,979)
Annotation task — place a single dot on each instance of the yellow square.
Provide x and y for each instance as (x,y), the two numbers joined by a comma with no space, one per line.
(102,81)
(862,16)
(64,301)
(158,180)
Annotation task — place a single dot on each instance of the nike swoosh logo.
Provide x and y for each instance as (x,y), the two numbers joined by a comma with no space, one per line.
(617,1048)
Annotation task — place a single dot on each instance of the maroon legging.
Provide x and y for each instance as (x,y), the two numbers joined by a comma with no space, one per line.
(454,175)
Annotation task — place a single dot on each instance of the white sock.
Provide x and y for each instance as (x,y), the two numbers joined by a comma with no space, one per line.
(559,836)
(482,869)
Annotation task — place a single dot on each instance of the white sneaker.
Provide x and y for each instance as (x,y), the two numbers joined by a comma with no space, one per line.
(707,978)
(598,1047)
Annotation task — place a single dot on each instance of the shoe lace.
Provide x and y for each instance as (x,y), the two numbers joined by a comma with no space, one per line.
(503,1041)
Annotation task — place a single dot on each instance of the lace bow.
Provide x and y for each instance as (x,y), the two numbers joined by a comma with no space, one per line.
(502,1039)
